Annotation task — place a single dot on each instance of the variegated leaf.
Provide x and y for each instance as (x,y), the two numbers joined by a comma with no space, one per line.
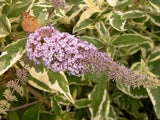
(11,54)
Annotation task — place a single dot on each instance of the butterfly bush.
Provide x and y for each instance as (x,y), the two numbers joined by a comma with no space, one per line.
(64,52)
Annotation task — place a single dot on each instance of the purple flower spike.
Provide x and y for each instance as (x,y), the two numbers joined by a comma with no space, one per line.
(64,52)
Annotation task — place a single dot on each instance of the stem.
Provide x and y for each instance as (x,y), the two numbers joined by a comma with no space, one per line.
(38,95)
(23,106)
(15,87)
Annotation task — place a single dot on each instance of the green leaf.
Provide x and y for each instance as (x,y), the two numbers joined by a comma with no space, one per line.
(32,113)
(93,77)
(102,30)
(13,115)
(96,42)
(3,29)
(43,4)
(130,39)
(123,3)
(107,111)
(55,106)
(98,97)
(138,92)
(39,13)
(84,21)
(11,54)
(50,82)
(69,16)
(82,103)
(94,4)
(127,50)
(133,14)
(116,21)
(112,2)
(154,60)
(155,19)
(133,92)
(17,8)
(155,4)
(90,3)
(132,49)
(66,116)
(111,51)
(38,83)
(78,80)
(61,99)
(42,18)
(2,2)
(130,105)
(141,20)
(155,99)
(153,64)
(74,11)
(47,116)
(87,23)
(111,113)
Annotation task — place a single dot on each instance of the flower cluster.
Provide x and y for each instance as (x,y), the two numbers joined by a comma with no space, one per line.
(11,86)
(64,52)
(21,75)
(4,106)
(9,96)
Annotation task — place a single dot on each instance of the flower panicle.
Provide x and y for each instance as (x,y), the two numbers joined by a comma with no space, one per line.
(64,52)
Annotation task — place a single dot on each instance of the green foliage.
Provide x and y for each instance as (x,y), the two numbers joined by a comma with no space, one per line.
(127,30)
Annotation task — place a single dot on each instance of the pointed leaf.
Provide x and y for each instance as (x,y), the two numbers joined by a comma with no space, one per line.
(84,21)
(78,80)
(56,106)
(116,21)
(154,60)
(155,4)
(47,116)
(155,19)
(133,92)
(112,2)
(90,3)
(42,18)
(123,4)
(17,8)
(75,10)
(13,115)
(98,97)
(32,113)
(3,29)
(96,42)
(87,23)
(50,82)
(130,39)
(102,30)
(43,4)
(155,99)
(82,103)
(133,14)
(11,54)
